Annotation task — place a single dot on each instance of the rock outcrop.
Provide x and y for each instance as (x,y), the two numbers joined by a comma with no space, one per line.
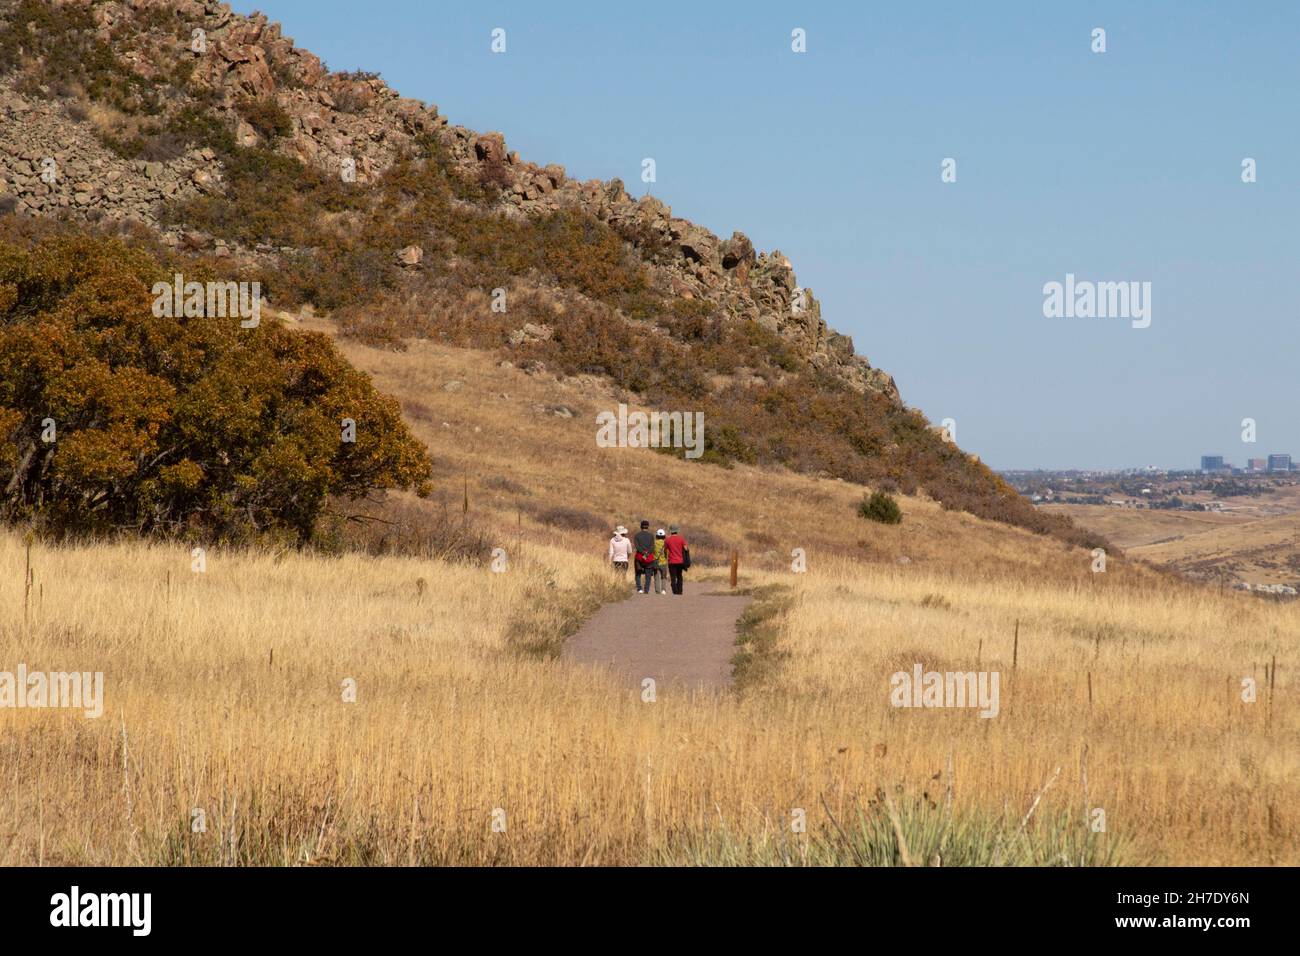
(354,124)
(49,162)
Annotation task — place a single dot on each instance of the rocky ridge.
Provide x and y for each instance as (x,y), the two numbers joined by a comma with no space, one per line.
(355,122)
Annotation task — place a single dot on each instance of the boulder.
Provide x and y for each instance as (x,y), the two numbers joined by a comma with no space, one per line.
(204,180)
(531,333)
(490,148)
(737,250)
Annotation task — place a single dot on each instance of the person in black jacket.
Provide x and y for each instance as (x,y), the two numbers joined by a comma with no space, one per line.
(644,543)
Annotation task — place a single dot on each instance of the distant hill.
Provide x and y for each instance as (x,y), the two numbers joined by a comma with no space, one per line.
(211,137)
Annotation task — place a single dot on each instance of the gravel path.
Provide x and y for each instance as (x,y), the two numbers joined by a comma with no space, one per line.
(687,640)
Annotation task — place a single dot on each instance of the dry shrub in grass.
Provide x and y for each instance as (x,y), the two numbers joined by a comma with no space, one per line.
(401,527)
(372,326)
(567,518)
(417,410)
(502,483)
(431,310)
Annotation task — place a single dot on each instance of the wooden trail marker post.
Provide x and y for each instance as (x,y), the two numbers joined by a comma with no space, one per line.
(735,566)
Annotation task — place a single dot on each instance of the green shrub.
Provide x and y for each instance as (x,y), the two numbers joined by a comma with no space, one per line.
(880,507)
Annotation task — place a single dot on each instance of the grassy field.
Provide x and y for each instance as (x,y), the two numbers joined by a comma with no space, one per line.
(470,742)
(224,695)
(1258,543)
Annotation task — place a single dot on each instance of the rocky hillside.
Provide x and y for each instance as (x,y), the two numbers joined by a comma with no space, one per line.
(189,126)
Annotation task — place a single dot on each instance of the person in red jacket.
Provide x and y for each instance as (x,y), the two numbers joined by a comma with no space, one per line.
(679,557)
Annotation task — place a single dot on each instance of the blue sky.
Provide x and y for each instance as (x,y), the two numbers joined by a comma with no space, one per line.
(1120,166)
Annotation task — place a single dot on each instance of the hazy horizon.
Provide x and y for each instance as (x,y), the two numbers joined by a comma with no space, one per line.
(1193,467)
(1112,167)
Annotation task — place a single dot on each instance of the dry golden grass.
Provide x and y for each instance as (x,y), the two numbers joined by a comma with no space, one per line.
(226,696)
(224,689)
(1174,756)
(226,693)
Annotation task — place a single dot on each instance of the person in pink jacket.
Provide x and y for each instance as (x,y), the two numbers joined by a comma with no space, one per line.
(620,550)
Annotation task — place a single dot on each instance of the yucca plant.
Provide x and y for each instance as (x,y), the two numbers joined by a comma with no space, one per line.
(914,832)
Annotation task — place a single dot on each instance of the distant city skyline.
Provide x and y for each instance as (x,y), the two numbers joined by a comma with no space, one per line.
(1266,464)
(1119,173)
(1272,463)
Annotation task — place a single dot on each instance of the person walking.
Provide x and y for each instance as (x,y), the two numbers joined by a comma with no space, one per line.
(679,557)
(620,550)
(644,543)
(660,576)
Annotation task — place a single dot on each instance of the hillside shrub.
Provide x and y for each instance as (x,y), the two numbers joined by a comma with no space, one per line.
(266,116)
(880,507)
(115,419)
(566,518)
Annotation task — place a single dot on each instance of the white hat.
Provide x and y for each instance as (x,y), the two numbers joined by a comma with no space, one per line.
(659,533)
(620,530)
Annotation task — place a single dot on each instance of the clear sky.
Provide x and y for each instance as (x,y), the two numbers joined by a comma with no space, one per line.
(1116,166)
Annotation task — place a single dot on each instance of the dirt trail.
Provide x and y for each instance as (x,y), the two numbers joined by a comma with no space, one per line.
(687,639)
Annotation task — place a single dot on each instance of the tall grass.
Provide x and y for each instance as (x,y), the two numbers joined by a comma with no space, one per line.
(224,696)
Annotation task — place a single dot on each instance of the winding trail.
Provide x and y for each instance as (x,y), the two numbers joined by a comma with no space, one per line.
(686,640)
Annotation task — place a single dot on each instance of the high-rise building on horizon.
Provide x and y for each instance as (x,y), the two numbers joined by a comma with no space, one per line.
(1212,463)
(1256,464)
(1278,464)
